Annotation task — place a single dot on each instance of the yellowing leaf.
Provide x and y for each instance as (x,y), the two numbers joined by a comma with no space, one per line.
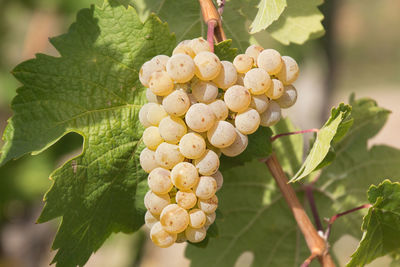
(268,12)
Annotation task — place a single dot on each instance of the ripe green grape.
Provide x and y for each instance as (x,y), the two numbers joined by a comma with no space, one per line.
(200,117)
(237,98)
(184,175)
(192,145)
(184,48)
(176,103)
(220,109)
(160,237)
(238,146)
(148,160)
(257,81)
(272,115)
(160,60)
(204,92)
(208,205)
(222,134)
(143,114)
(150,220)
(289,71)
(227,76)
(160,83)
(288,98)
(168,155)
(152,138)
(207,65)
(159,181)
(180,68)
(259,103)
(199,45)
(174,219)
(195,235)
(254,51)
(206,187)
(155,113)
(243,63)
(186,199)
(172,129)
(247,122)
(147,69)
(276,89)
(208,163)
(197,218)
(270,60)
(155,203)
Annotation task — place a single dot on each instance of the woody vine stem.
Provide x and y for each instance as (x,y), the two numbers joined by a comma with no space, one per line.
(315,242)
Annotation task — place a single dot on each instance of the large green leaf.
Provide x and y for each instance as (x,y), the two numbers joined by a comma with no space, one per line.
(381,225)
(300,22)
(332,131)
(268,12)
(92,89)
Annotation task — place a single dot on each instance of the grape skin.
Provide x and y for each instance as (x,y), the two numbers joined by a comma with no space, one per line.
(197,218)
(174,219)
(199,45)
(208,205)
(176,103)
(207,164)
(160,237)
(237,98)
(152,138)
(160,60)
(247,122)
(259,103)
(184,48)
(147,69)
(219,179)
(159,181)
(238,146)
(155,113)
(180,68)
(243,63)
(206,187)
(207,65)
(168,155)
(155,203)
(186,199)
(148,160)
(272,115)
(276,89)
(204,92)
(195,235)
(160,83)
(210,218)
(289,71)
(254,51)
(288,98)
(150,219)
(257,81)
(222,134)
(270,60)
(227,76)
(192,145)
(184,176)
(220,109)
(152,98)
(200,117)
(172,129)
(143,114)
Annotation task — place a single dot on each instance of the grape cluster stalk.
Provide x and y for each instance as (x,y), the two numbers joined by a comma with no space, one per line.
(200,107)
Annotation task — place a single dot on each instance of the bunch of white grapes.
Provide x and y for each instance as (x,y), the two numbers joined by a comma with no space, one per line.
(199,107)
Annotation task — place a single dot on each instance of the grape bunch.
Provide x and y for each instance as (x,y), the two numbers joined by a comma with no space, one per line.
(200,107)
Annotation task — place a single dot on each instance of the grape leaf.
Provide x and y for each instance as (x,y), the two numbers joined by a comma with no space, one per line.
(381,225)
(300,22)
(224,50)
(332,131)
(268,12)
(92,89)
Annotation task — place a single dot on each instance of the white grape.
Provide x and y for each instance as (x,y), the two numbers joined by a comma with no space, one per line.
(174,219)
(247,122)
(289,71)
(220,109)
(160,237)
(213,148)
(270,60)
(208,163)
(276,90)
(227,76)
(237,98)
(207,65)
(147,69)
(148,160)
(210,218)
(184,175)
(192,99)
(159,181)
(243,63)
(152,98)
(176,103)
(259,103)
(182,86)
(272,115)
(205,92)
(161,60)
(219,179)
(160,83)
(195,235)
(155,113)
(192,145)
(197,218)
(144,110)
(152,138)
(172,129)
(288,98)
(222,134)
(199,45)
(155,203)
(208,205)
(181,238)
(186,199)
(240,79)
(200,117)
(238,146)
(184,48)
(150,219)
(168,155)
(257,81)
(180,68)
(254,51)
(206,187)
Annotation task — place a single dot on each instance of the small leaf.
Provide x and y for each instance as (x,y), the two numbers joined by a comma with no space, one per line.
(300,22)
(333,130)
(381,225)
(224,50)
(268,12)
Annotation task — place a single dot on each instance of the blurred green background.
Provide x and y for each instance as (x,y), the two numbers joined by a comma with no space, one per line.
(360,53)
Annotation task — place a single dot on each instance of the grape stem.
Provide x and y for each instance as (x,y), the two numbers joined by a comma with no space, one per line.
(314,130)
(310,197)
(221,5)
(335,217)
(210,33)
(315,242)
